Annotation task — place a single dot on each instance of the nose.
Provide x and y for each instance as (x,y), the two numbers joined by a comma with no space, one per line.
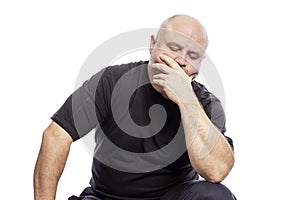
(181,61)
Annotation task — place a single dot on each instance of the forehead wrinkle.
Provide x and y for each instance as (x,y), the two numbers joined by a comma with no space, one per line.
(187,43)
(194,32)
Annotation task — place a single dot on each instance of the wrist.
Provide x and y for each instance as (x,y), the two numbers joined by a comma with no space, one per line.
(188,99)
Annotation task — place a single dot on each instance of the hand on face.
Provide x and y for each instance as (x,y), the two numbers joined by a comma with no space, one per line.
(173,79)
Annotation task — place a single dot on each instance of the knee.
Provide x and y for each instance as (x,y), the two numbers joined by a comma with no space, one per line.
(214,191)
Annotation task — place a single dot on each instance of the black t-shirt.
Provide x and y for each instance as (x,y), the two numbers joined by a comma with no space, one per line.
(140,150)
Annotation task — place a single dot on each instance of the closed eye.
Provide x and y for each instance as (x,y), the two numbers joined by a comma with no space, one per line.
(174,47)
(194,55)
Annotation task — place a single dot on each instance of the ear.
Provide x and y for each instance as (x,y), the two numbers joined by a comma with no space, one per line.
(152,43)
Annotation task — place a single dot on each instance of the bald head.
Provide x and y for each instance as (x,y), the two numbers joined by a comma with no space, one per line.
(188,27)
(183,39)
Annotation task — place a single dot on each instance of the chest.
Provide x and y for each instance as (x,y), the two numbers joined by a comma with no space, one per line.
(143,122)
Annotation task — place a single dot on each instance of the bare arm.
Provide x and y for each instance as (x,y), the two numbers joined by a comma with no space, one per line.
(51,161)
(209,152)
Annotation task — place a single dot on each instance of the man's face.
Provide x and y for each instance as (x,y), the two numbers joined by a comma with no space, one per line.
(185,50)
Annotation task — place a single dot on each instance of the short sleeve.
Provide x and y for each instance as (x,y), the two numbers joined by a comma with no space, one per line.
(85,108)
(215,112)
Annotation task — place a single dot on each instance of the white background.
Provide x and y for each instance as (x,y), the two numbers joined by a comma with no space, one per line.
(254,44)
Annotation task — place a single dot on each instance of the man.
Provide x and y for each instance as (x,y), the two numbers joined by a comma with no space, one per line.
(157,129)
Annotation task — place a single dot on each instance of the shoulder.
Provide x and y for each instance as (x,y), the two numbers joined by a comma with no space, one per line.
(203,94)
(121,77)
(113,73)
(119,70)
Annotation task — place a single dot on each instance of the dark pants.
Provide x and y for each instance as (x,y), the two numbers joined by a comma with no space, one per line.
(192,190)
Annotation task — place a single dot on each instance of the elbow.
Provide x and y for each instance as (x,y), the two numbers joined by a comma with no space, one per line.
(217,173)
(215,177)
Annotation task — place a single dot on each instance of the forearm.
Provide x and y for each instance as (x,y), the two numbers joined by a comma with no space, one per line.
(50,164)
(208,150)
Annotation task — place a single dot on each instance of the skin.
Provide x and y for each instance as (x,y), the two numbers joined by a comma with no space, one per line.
(209,152)
(183,39)
(51,161)
(171,72)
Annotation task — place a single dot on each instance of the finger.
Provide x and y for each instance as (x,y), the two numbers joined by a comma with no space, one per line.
(162,68)
(160,76)
(159,82)
(170,62)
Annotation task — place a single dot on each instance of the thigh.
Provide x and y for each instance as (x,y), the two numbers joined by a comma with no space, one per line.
(87,194)
(199,190)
